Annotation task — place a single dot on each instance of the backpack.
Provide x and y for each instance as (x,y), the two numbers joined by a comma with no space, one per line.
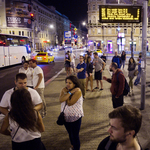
(126,86)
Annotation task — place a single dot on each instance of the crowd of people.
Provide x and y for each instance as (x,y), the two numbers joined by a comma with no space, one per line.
(24,106)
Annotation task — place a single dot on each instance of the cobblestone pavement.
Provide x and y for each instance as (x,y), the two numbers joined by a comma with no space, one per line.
(95,122)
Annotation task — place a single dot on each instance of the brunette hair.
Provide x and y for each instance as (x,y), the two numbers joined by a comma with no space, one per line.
(33,60)
(113,64)
(25,62)
(75,81)
(22,110)
(95,53)
(132,59)
(88,59)
(130,116)
(20,76)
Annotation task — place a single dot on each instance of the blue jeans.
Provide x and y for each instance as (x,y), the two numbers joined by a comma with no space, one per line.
(123,63)
(137,80)
(73,129)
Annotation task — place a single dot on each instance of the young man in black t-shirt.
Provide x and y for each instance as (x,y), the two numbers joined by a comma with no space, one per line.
(125,123)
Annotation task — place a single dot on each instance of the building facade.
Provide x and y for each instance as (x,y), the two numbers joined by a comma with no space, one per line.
(113,36)
(47,29)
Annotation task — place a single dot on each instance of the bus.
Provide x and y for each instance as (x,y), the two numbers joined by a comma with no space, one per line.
(13,49)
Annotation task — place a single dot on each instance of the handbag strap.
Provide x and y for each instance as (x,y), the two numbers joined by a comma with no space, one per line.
(15,133)
(64,107)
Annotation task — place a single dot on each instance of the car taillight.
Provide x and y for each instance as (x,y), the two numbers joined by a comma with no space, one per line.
(44,57)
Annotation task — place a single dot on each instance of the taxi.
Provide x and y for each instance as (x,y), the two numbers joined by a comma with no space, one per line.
(44,57)
(100,52)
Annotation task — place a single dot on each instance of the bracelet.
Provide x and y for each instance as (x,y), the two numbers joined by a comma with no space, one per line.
(70,93)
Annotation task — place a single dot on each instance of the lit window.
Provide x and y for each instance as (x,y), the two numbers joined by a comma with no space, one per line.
(13,32)
(9,32)
(125,31)
(98,31)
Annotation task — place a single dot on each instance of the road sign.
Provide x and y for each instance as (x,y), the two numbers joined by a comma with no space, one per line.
(75,36)
(67,34)
(119,14)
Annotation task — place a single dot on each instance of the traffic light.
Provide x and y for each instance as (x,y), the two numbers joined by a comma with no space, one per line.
(75,41)
(32,16)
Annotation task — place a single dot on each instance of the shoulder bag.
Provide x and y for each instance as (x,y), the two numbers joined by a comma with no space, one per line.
(61,119)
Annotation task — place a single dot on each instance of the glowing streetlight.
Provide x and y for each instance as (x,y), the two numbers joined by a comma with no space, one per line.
(83,23)
(51,26)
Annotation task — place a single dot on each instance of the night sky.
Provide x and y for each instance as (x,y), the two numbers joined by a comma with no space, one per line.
(75,10)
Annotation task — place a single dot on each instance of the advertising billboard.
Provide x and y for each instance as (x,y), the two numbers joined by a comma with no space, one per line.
(18,14)
(119,14)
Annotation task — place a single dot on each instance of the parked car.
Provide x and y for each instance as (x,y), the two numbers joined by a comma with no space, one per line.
(44,57)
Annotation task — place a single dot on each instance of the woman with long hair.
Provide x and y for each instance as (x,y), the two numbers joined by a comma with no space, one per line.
(71,100)
(89,71)
(131,69)
(25,123)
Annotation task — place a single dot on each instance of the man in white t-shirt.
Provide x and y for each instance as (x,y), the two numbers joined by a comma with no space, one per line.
(73,62)
(29,72)
(38,83)
(21,82)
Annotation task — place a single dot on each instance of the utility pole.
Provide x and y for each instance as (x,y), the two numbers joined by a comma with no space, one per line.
(143,62)
(132,53)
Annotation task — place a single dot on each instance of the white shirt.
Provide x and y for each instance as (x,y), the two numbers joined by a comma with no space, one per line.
(5,101)
(74,112)
(37,70)
(29,73)
(22,135)
(73,57)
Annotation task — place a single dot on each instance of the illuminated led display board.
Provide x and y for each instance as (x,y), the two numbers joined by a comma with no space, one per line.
(119,14)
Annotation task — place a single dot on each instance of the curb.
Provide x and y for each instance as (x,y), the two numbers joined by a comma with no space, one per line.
(51,79)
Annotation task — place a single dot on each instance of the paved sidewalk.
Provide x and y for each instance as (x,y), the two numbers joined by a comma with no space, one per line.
(95,122)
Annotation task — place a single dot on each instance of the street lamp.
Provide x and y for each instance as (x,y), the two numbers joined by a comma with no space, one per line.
(84,23)
(52,38)
(51,26)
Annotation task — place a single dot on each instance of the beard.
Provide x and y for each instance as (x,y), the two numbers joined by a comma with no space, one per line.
(118,140)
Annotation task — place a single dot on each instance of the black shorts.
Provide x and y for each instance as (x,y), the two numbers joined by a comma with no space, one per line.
(98,75)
